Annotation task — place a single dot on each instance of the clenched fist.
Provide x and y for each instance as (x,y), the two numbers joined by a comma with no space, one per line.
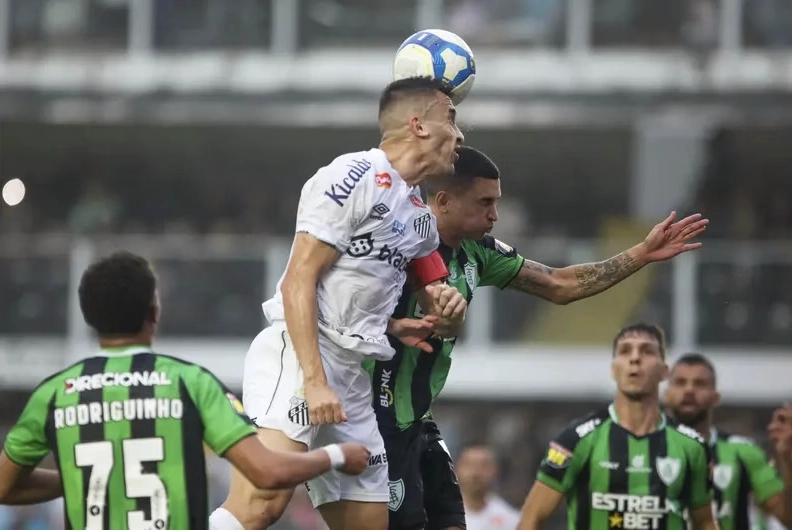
(356,458)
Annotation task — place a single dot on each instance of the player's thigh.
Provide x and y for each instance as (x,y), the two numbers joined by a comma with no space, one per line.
(405,481)
(442,496)
(355,515)
(250,504)
(272,387)
(371,486)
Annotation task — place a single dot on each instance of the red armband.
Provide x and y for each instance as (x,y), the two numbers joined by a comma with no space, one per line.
(428,269)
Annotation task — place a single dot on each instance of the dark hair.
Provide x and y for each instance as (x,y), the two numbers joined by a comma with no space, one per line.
(472,164)
(697,359)
(117,293)
(647,329)
(410,86)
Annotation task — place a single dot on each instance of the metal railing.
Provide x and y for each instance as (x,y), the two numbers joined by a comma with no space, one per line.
(288,26)
(725,295)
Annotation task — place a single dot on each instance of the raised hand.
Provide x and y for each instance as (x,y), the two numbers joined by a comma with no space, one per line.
(668,238)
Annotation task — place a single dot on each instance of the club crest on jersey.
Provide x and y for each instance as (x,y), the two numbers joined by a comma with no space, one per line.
(395,495)
(668,469)
(722,475)
(557,456)
(417,202)
(383,180)
(298,413)
(470,275)
(423,225)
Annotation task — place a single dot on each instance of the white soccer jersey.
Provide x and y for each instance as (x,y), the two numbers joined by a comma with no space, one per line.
(496,515)
(360,205)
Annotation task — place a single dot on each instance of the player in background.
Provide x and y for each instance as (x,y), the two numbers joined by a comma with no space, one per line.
(780,433)
(424,489)
(626,467)
(127,425)
(361,224)
(477,470)
(742,475)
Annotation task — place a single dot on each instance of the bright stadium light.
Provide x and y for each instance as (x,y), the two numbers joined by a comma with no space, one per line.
(13,192)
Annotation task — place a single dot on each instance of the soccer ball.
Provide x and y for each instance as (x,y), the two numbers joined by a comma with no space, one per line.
(438,54)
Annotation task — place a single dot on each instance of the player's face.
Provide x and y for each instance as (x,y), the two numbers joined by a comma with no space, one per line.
(691,393)
(476,470)
(638,366)
(444,137)
(474,211)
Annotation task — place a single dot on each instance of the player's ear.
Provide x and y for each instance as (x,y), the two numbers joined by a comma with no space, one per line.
(418,128)
(441,199)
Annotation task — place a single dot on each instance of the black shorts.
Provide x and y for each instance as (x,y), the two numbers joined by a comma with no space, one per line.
(424,491)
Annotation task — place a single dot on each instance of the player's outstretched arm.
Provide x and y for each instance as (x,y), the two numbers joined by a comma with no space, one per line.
(310,259)
(568,284)
(25,485)
(271,470)
(540,504)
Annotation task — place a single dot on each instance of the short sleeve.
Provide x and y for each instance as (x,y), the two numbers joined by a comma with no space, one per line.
(764,478)
(700,490)
(223,416)
(334,202)
(501,263)
(565,457)
(26,443)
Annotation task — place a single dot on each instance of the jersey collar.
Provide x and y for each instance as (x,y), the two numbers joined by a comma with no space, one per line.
(615,417)
(124,350)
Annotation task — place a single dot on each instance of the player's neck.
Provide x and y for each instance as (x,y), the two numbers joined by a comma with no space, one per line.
(639,417)
(446,236)
(108,343)
(704,428)
(405,160)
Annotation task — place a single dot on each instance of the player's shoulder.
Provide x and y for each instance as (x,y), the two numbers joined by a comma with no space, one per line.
(349,173)
(177,364)
(687,433)
(491,244)
(736,439)
(62,379)
(583,427)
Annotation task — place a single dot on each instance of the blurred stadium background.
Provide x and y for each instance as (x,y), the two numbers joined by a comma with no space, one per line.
(184,129)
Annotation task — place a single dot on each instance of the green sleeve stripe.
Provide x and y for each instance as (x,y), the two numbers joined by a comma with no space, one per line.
(521,261)
(550,482)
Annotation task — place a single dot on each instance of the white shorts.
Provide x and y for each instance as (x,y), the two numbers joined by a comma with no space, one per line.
(273,396)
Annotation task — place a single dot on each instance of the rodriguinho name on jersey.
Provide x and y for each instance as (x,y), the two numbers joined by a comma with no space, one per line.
(632,512)
(124,379)
(114,411)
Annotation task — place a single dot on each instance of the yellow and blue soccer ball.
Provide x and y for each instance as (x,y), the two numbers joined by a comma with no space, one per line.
(438,54)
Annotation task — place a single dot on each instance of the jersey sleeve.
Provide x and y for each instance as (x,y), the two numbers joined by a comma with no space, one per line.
(764,478)
(700,475)
(565,457)
(500,264)
(26,443)
(222,414)
(334,202)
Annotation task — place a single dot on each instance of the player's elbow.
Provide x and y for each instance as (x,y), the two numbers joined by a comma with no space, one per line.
(273,477)
(563,291)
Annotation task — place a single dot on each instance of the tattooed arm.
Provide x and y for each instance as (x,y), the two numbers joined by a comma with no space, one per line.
(568,284)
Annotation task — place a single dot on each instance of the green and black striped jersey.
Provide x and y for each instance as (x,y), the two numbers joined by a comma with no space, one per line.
(613,479)
(127,429)
(742,478)
(405,386)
